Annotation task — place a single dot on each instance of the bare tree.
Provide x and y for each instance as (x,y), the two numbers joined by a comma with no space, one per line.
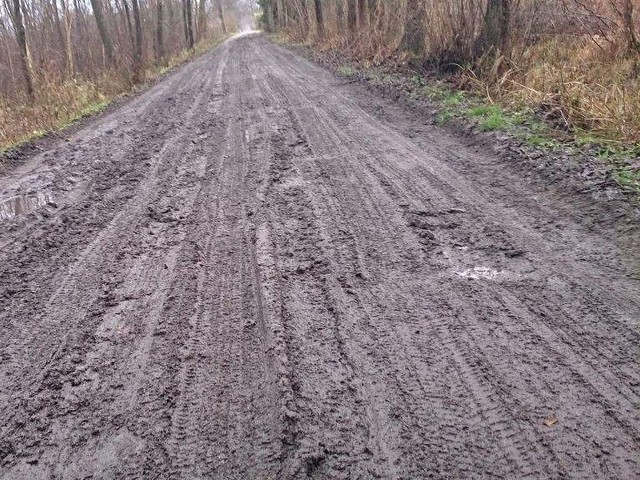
(363,13)
(414,31)
(159,33)
(319,17)
(339,8)
(352,17)
(68,50)
(201,23)
(17,18)
(495,31)
(96,5)
(188,23)
(629,28)
(221,16)
(138,66)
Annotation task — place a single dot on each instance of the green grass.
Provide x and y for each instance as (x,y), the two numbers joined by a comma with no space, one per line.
(521,124)
(453,99)
(539,141)
(484,111)
(495,121)
(628,178)
(444,117)
(347,71)
(491,117)
(91,109)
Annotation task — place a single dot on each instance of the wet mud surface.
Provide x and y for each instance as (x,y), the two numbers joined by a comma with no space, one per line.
(249,271)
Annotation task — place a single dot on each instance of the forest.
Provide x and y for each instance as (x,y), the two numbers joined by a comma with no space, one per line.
(60,59)
(577,61)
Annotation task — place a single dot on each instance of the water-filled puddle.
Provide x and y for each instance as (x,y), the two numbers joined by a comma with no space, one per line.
(480,272)
(23,204)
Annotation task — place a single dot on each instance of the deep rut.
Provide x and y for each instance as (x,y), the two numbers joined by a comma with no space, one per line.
(246,272)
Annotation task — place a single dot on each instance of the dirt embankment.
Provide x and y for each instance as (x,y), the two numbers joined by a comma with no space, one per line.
(253,270)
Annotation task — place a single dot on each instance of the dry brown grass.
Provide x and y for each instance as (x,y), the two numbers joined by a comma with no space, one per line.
(582,85)
(566,60)
(59,103)
(55,105)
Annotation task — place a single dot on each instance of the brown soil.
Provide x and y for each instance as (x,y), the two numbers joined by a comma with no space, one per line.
(254,270)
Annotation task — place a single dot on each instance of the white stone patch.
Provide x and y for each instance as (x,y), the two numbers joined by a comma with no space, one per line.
(480,272)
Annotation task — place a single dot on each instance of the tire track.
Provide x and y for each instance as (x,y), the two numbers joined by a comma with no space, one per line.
(248,274)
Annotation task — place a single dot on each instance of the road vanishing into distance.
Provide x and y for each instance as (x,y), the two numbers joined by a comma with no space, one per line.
(256,270)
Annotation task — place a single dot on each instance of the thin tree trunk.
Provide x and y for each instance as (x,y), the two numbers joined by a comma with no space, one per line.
(188,23)
(495,30)
(107,44)
(269,15)
(363,14)
(138,66)
(414,31)
(59,30)
(630,33)
(127,13)
(77,11)
(7,49)
(102,29)
(221,16)
(352,16)
(68,49)
(319,17)
(202,20)
(253,15)
(21,38)
(373,6)
(159,31)
(339,5)
(280,14)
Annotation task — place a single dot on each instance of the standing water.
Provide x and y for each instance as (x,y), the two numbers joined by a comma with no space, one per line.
(23,204)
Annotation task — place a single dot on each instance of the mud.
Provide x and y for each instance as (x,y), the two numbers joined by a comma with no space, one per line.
(250,271)
(23,204)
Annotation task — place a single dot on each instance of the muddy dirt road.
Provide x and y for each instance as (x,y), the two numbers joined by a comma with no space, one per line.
(255,271)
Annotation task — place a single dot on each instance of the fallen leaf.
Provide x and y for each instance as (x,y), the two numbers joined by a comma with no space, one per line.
(550,420)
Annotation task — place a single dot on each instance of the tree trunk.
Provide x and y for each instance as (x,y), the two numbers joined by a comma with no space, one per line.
(253,15)
(21,38)
(267,16)
(159,31)
(188,23)
(352,17)
(221,16)
(138,66)
(59,29)
(68,49)
(319,17)
(102,29)
(495,30)
(629,29)
(373,6)
(130,32)
(202,20)
(414,31)
(302,14)
(280,19)
(339,4)
(363,14)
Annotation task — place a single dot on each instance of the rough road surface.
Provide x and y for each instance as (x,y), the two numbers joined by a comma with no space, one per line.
(255,271)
